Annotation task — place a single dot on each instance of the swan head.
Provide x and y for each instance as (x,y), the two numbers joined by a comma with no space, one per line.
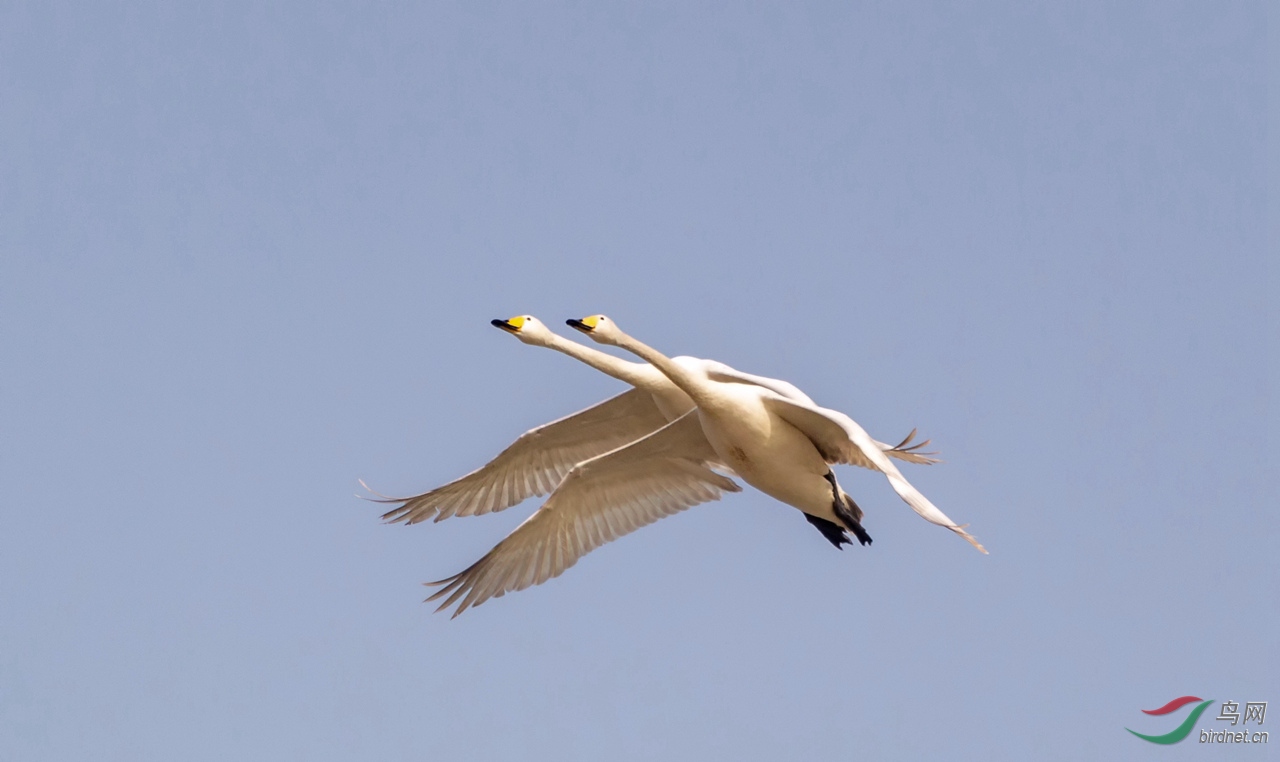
(598,327)
(526,328)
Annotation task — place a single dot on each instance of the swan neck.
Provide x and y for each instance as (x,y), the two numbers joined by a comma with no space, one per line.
(605,363)
(697,388)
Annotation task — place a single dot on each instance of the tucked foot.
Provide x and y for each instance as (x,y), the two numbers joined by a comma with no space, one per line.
(834,533)
(847,511)
(858,531)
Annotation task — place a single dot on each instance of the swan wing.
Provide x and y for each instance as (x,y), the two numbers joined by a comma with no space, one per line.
(600,500)
(841,440)
(718,371)
(536,462)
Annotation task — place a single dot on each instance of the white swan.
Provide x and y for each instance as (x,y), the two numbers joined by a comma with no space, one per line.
(780,446)
(536,462)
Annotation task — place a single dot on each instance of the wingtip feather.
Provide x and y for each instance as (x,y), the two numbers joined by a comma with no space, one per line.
(381,498)
(972,540)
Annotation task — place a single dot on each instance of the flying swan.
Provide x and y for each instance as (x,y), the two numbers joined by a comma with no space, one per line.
(779,445)
(536,462)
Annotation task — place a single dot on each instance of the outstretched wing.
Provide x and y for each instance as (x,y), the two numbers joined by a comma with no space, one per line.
(841,440)
(536,462)
(599,501)
(718,371)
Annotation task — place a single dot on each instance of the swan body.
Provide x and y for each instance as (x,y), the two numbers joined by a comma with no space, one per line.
(772,457)
(536,462)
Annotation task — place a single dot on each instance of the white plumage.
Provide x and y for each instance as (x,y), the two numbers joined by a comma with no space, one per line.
(671,442)
(600,500)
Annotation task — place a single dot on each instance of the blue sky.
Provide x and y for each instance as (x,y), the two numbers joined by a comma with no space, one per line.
(248,254)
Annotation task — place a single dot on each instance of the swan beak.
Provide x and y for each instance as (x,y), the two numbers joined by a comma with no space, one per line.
(586,325)
(509,326)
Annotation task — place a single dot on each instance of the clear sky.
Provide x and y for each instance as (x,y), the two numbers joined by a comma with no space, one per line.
(249,252)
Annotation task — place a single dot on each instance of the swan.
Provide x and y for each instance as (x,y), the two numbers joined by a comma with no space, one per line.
(780,445)
(536,462)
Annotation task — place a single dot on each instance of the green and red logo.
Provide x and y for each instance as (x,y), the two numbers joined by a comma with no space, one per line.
(1183,730)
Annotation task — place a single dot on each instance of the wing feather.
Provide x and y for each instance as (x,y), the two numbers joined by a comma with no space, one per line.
(718,371)
(535,462)
(841,440)
(600,500)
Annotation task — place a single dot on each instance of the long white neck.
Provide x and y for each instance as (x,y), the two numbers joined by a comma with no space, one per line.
(623,370)
(697,387)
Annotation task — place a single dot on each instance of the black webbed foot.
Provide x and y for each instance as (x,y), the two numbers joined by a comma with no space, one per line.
(847,511)
(834,533)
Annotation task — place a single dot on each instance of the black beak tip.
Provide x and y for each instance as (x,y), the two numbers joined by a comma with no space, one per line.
(578,324)
(498,323)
